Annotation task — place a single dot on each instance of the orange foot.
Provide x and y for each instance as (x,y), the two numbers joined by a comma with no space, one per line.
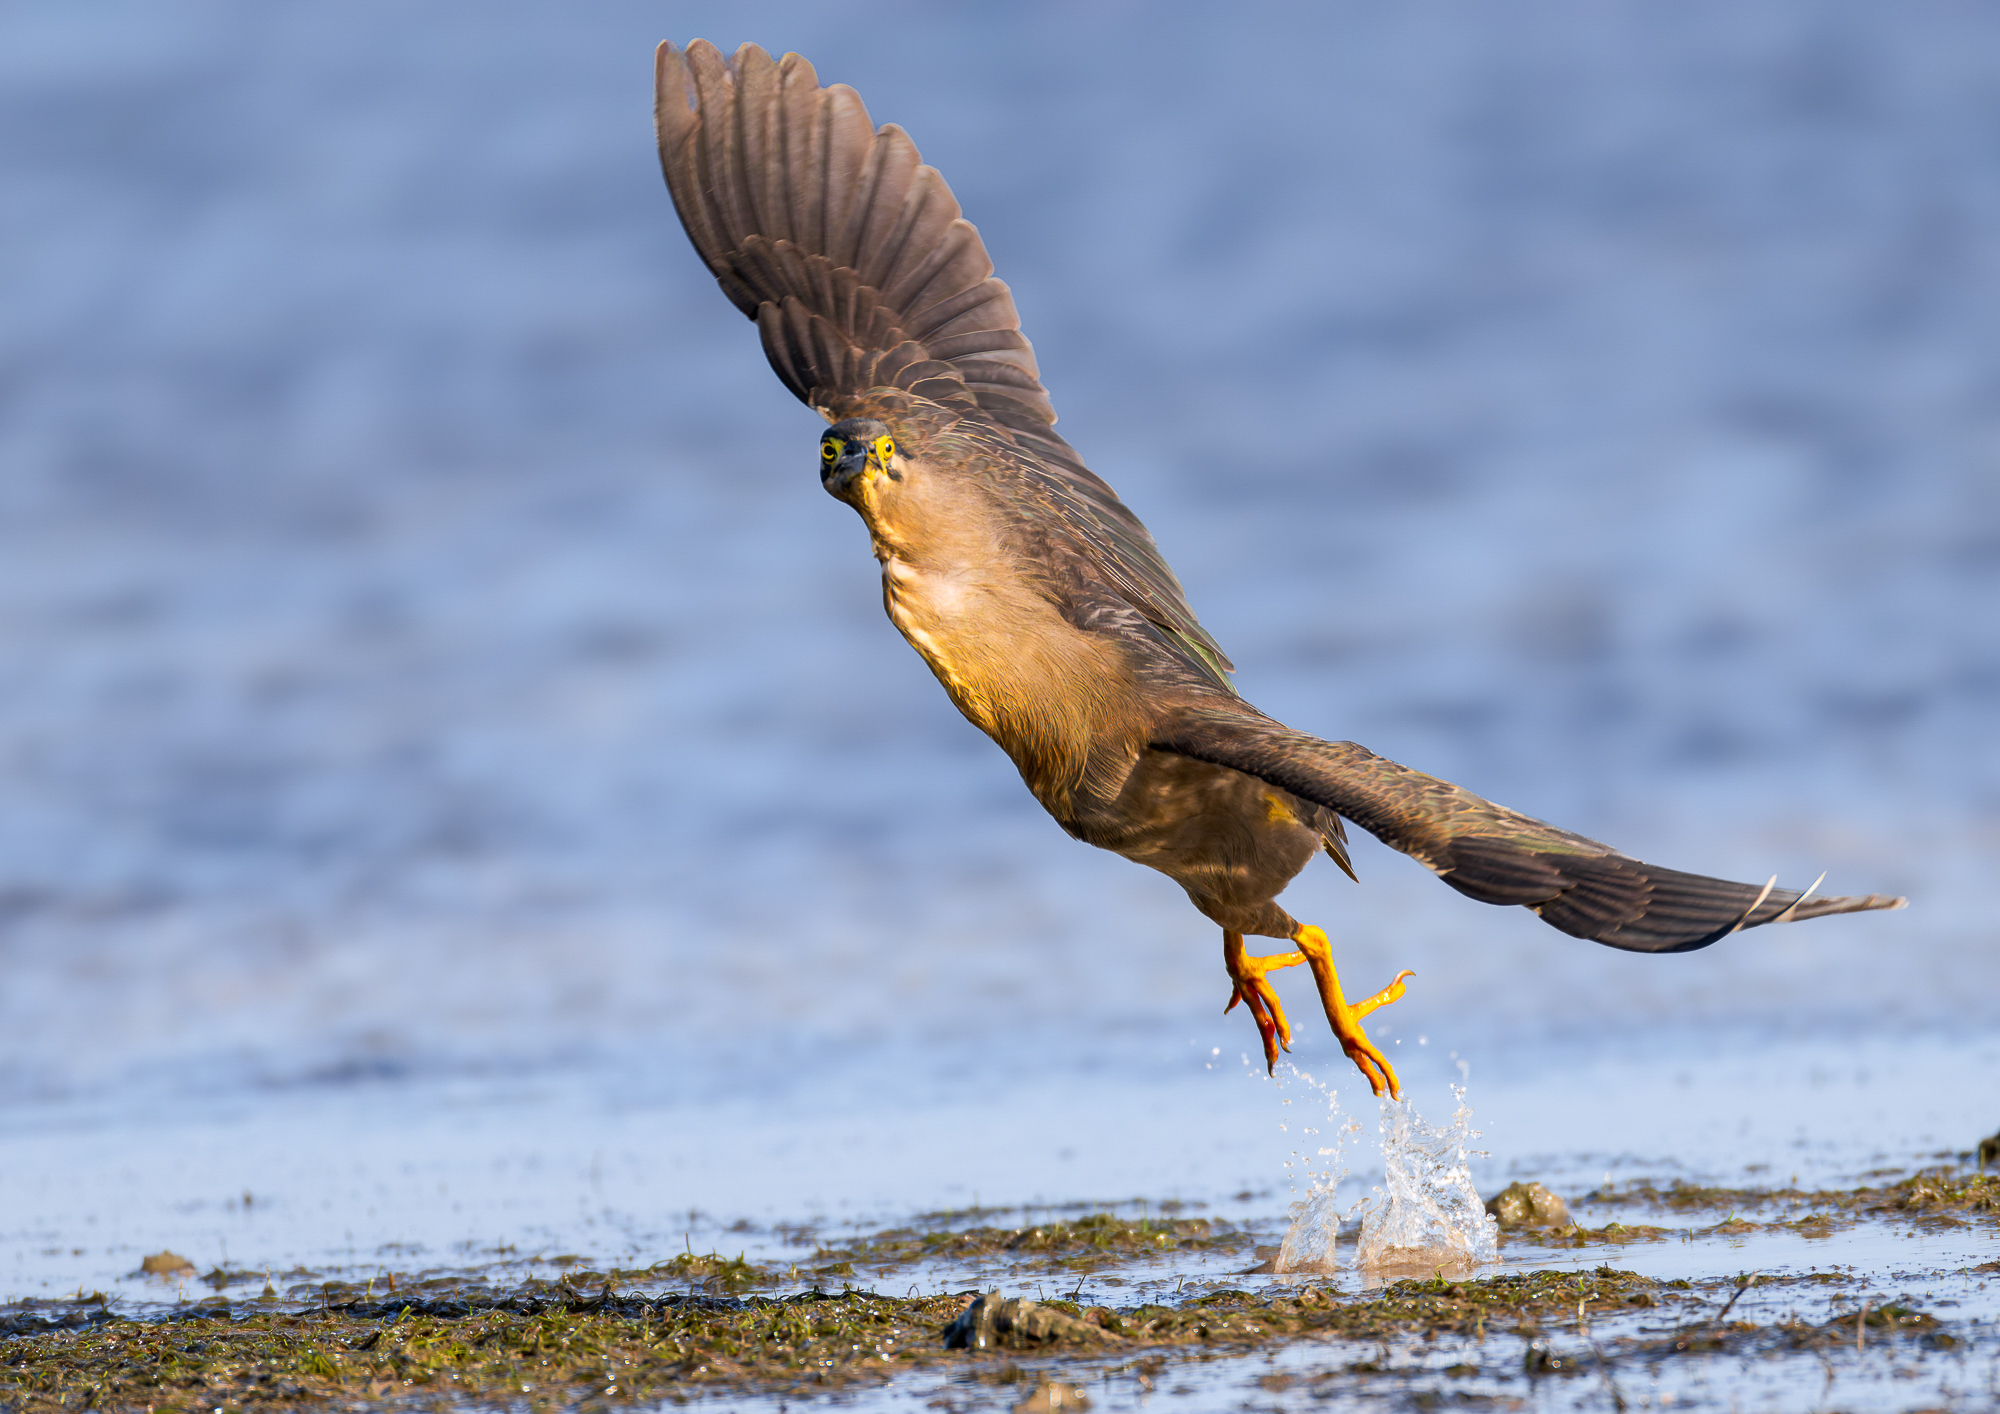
(1346,1020)
(1247,973)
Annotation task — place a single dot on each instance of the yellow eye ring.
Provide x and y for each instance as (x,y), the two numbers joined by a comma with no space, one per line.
(829,449)
(885,448)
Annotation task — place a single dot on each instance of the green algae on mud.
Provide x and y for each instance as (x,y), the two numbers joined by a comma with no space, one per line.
(697,1324)
(613,1350)
(1937,1197)
(559,1354)
(1076,1245)
(1933,1192)
(624,1350)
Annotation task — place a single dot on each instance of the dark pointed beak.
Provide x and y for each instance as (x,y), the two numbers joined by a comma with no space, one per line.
(840,476)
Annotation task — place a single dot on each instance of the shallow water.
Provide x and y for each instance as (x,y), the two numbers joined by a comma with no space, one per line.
(349,1179)
(457,788)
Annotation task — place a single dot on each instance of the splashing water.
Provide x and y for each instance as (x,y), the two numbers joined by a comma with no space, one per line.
(1309,1241)
(1428,1212)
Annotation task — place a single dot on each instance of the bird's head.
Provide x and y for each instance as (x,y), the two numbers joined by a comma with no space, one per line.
(856,455)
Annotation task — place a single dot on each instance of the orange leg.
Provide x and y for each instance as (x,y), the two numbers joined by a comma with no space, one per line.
(1346,1019)
(1250,988)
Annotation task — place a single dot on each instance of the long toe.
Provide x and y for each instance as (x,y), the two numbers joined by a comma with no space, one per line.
(1391,993)
(1373,1065)
(1251,986)
(1272,1029)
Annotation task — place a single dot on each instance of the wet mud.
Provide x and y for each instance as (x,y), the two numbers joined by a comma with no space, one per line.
(704,1326)
(1938,1199)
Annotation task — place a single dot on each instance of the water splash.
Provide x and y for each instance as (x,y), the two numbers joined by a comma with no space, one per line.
(1309,1241)
(1427,1213)
(1308,1245)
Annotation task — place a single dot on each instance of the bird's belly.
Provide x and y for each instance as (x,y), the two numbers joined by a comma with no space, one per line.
(1047,692)
(1229,839)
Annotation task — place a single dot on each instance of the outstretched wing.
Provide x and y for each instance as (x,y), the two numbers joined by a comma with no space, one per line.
(848,252)
(852,257)
(1491,853)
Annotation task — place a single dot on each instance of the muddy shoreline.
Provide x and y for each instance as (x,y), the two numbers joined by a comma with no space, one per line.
(705,1326)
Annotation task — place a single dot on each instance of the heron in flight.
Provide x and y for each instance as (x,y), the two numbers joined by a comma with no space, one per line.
(1040,601)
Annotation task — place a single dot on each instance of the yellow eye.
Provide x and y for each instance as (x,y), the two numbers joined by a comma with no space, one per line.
(829,449)
(885,448)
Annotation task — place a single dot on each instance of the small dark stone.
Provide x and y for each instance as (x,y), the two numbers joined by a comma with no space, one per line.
(993,1322)
(1528,1205)
(1989,1151)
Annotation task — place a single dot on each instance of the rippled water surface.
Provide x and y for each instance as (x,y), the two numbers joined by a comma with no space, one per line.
(458,791)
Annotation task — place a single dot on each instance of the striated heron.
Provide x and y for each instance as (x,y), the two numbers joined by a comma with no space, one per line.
(1039,599)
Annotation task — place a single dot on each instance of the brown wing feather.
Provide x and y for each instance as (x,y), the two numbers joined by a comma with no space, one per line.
(799,207)
(852,257)
(1488,852)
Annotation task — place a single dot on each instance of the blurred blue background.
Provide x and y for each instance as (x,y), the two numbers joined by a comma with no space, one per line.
(424,647)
